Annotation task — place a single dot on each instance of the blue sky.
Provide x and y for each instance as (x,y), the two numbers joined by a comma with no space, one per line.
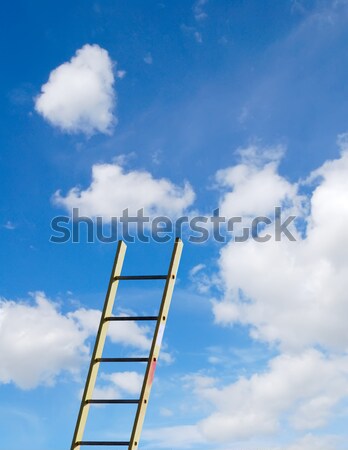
(178,108)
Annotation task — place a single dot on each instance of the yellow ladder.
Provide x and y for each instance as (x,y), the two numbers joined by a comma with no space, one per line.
(151,360)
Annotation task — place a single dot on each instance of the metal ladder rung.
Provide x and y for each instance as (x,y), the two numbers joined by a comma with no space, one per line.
(140,277)
(99,360)
(119,401)
(127,318)
(119,443)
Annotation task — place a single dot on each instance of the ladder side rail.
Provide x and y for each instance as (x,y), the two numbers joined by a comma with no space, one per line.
(156,345)
(99,345)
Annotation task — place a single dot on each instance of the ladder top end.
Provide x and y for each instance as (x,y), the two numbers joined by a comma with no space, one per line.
(122,244)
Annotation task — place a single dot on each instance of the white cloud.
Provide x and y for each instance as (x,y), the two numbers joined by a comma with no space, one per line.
(121,74)
(166,357)
(201,281)
(310,442)
(181,436)
(38,342)
(192,31)
(79,95)
(118,385)
(293,293)
(125,333)
(198,10)
(166,412)
(288,395)
(9,225)
(104,392)
(148,59)
(289,392)
(198,37)
(128,382)
(254,187)
(306,442)
(113,189)
(197,268)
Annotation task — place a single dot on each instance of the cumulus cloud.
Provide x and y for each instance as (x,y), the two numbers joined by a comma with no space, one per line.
(287,395)
(289,392)
(294,293)
(79,96)
(254,186)
(291,295)
(113,189)
(38,342)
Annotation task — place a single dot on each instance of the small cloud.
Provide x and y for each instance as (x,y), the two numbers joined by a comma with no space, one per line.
(156,157)
(148,59)
(121,74)
(196,269)
(215,360)
(198,37)
(297,6)
(79,96)
(9,225)
(165,412)
(200,279)
(192,31)
(123,159)
(166,358)
(128,382)
(244,115)
(198,11)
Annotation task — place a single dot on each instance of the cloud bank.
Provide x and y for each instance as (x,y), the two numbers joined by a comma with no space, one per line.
(291,296)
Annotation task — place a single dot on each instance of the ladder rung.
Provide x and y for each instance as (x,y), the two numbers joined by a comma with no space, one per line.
(119,401)
(125,318)
(141,277)
(99,360)
(120,443)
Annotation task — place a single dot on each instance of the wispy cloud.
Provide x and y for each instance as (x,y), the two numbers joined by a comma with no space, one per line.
(9,225)
(192,31)
(148,59)
(198,10)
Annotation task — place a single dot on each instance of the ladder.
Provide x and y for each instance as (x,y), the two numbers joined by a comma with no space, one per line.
(151,360)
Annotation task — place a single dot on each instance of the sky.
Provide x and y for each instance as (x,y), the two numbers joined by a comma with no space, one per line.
(179,109)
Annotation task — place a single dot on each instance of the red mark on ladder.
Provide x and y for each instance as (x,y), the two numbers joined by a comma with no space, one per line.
(152,371)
